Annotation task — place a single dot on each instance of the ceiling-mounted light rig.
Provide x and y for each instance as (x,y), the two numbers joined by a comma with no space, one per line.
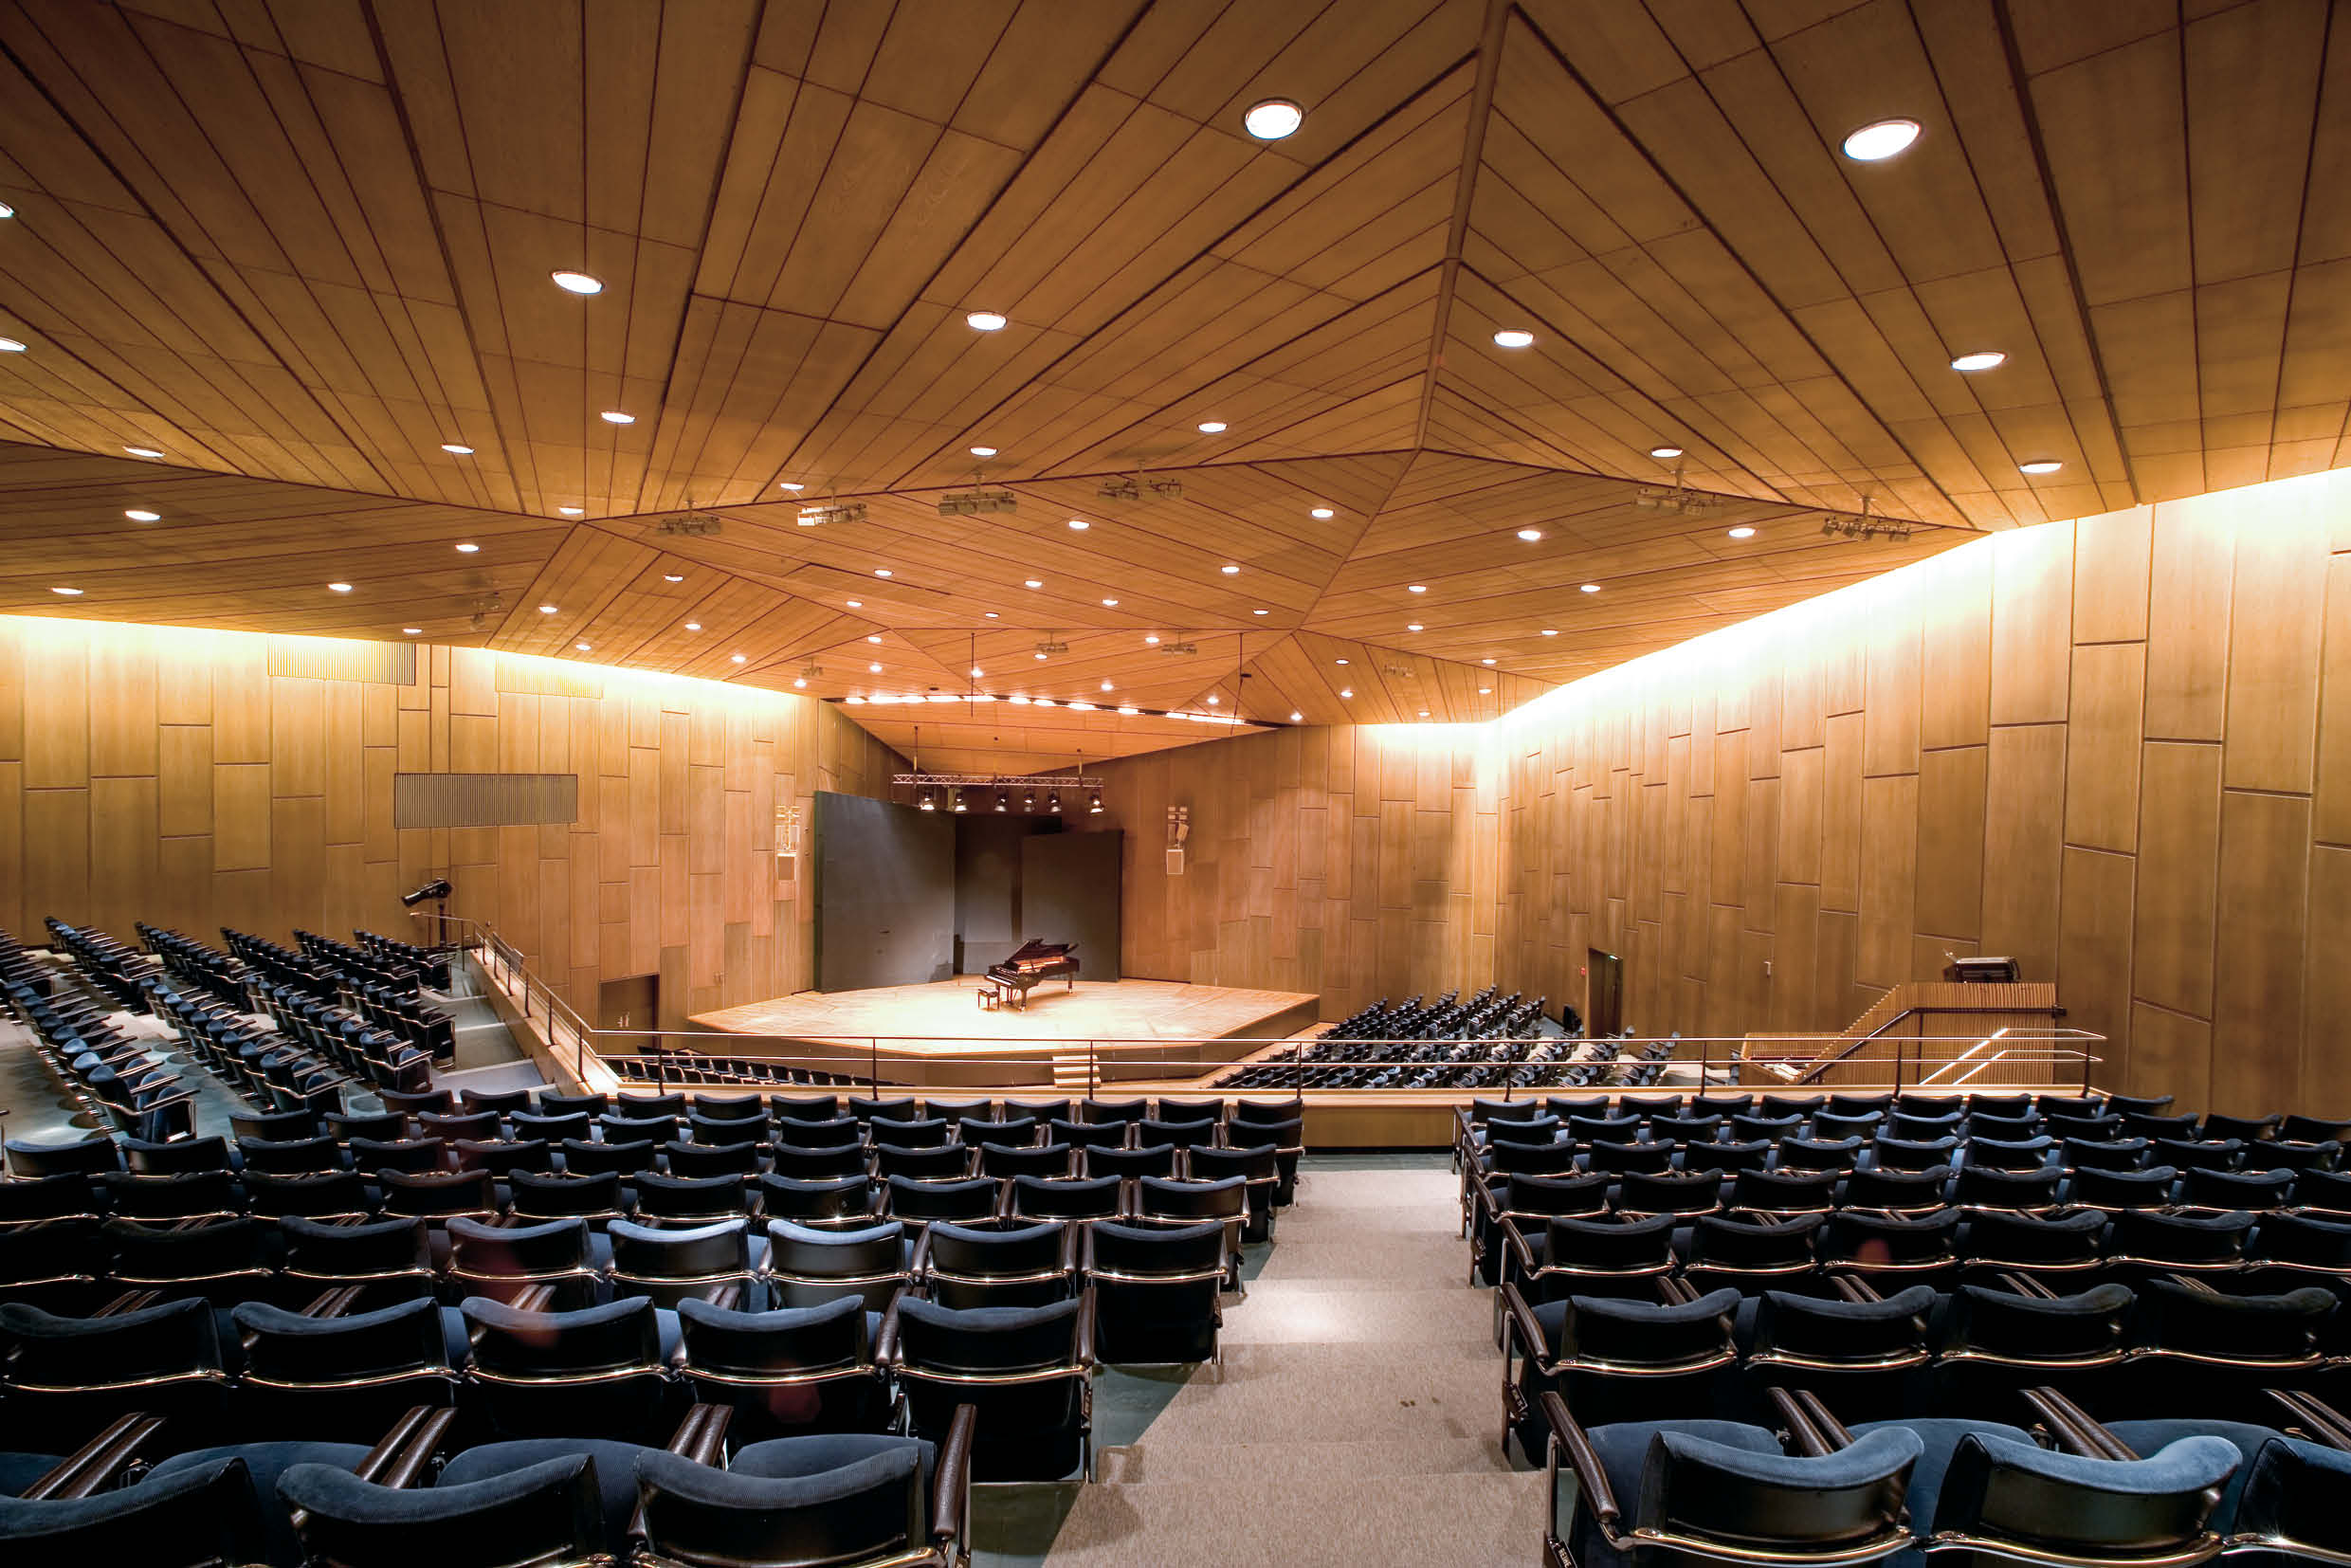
(926,788)
(817,514)
(971,504)
(1677,497)
(1862,527)
(686,524)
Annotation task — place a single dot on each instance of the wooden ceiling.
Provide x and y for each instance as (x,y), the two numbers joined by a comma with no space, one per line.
(297,246)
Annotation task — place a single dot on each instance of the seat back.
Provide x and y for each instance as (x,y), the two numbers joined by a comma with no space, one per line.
(2142,1510)
(809,1267)
(1051,1197)
(1541,1196)
(921,1202)
(868,1510)
(1768,1506)
(501,1262)
(353,1254)
(1828,1333)
(544,1514)
(203,1516)
(844,1201)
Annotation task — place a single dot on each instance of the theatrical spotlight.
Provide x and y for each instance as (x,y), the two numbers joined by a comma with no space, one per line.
(1094,807)
(1053,802)
(961,803)
(924,800)
(1028,801)
(1000,801)
(437,888)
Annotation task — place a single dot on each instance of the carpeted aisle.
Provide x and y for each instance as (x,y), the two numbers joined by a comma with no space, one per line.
(1356,1416)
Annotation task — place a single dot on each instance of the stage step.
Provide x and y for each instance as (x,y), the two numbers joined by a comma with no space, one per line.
(1069,1073)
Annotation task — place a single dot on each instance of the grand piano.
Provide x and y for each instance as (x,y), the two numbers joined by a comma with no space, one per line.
(1036,962)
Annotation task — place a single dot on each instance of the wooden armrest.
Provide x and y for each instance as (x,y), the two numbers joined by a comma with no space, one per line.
(1069,1248)
(130,1301)
(1826,1422)
(1599,1496)
(2074,1427)
(2325,1423)
(2189,1282)
(1675,1292)
(702,1436)
(406,1452)
(950,1497)
(1085,1327)
(534,1298)
(2025,1284)
(1810,1441)
(885,1342)
(1519,1319)
(726,1297)
(96,1462)
(334,1304)
(919,1265)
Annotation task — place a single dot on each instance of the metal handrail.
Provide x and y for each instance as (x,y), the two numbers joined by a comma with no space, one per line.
(2057,1046)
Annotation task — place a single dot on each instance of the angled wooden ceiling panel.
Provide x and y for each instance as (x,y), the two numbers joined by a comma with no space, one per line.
(301,248)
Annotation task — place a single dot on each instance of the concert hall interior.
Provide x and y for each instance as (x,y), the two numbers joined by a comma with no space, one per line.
(943,782)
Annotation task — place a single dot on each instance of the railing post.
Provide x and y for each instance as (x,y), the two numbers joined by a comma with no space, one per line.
(1093,1078)
(873,1064)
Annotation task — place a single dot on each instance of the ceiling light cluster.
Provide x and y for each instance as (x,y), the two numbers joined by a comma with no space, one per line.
(971,504)
(818,513)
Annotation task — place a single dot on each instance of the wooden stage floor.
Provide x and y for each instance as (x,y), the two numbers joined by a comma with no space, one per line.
(939,1036)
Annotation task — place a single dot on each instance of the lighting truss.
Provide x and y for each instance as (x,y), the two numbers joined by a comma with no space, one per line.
(816,514)
(967,504)
(1119,489)
(689,522)
(1179,647)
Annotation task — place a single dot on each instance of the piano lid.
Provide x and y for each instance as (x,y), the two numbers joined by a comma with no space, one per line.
(1034,948)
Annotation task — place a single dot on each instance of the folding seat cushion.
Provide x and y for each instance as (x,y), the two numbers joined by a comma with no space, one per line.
(2088,1126)
(440,1195)
(34,1200)
(1733,1158)
(1089,1135)
(927,1132)
(1680,1193)
(552,1129)
(1600,1255)
(2005,1129)
(809,1367)
(1506,1157)
(1836,1126)
(476,1125)
(1981,1330)
(2224,1154)
(1894,1192)
(1893,1246)
(2304,1244)
(1623,1128)
(2323,1192)
(642,1105)
(1046,1160)
(2139,1123)
(870,1509)
(262,1464)
(293,1157)
(2030,1153)
(536,1195)
(1819,1154)
(2289,1510)
(1049,1198)
(1938,1439)
(555,1102)
(1685,1129)
(2155,1434)
(413,1155)
(68,1376)
(669,1265)
(945,1162)
(2001,1490)
(500,1101)
(1617,1159)
(600,1369)
(1483,1112)
(1727,1484)
(190,1194)
(622,1127)
(867,1108)
(1044,1110)
(184,1156)
(2312,1129)
(2229,1191)
(224,1261)
(803,1107)
(831,1160)
(1859,1104)
(1772,1127)
(713,1159)
(501,1157)
(2247,1129)
(824,1133)
(2281,1331)
(613,1463)
(194,1517)
(549,1512)
(920,1203)
(503,1261)
(1155,1290)
(1919,1127)
(2282,1154)
(1988,1187)
(691,1200)
(608,1159)
(1015,1131)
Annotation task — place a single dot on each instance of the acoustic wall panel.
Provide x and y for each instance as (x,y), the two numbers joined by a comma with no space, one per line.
(1070,887)
(884,894)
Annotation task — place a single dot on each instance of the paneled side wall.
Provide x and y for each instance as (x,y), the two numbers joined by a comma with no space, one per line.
(2117,749)
(1352,862)
(165,774)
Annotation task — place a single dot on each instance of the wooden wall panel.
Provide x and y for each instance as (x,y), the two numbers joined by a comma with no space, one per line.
(2047,721)
(182,783)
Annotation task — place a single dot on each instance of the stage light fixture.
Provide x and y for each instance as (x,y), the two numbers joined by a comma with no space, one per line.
(437,888)
(924,800)
(1053,802)
(1094,804)
(817,514)
(971,503)
(1028,801)
(689,524)
(1000,801)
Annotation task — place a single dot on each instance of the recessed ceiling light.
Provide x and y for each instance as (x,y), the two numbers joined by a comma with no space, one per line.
(1298,718)
(1665,454)
(1486,691)
(577,282)
(1040,655)
(1983,359)
(1078,523)
(1424,713)
(673,576)
(1106,686)
(614,416)
(984,321)
(338,587)
(1273,119)
(881,571)
(1346,691)
(800,681)
(1110,604)
(1530,535)
(467,549)
(1415,587)
(2040,465)
(139,514)
(788,485)
(874,638)
(856,604)
(1212,427)
(584,647)
(142,452)
(1033,583)
(1340,661)
(1044,701)
(6,210)
(1589,588)
(456,448)
(1130,712)
(873,670)
(9,345)
(69,593)
(1742,531)
(1513,338)
(1152,638)
(1551,631)
(1211,701)
(1261,612)
(991,614)
(1322,512)
(573,511)
(1414,626)
(1232,571)
(546,610)
(1879,139)
(412,631)
(693,626)
(738,658)
(977,672)
(983,451)
(1485,660)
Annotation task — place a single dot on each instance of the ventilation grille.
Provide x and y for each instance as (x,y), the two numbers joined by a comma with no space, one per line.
(483,800)
(332,659)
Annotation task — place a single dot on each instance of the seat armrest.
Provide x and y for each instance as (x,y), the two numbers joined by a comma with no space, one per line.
(1086,1328)
(1568,1440)
(534,1298)
(1521,1329)
(1069,1247)
(702,1436)
(97,1462)
(950,1497)
(885,1342)
(2075,1429)
(1810,1441)
(2325,1423)
(406,1452)
(919,1265)
(1824,1420)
